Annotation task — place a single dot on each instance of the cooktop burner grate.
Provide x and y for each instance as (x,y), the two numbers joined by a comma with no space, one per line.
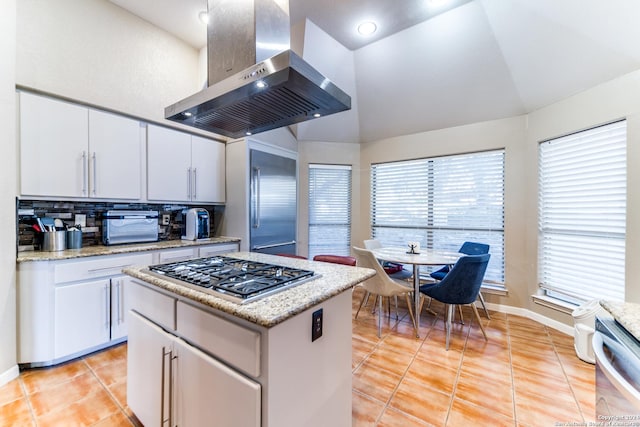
(232,278)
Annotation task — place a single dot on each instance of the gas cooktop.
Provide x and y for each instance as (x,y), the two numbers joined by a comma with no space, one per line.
(234,279)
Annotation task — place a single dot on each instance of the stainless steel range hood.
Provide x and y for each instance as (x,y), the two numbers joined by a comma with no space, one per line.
(256,83)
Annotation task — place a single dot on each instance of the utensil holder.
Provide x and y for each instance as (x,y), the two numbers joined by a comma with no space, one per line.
(54,241)
(74,239)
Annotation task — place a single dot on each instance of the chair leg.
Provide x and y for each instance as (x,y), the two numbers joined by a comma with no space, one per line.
(461,317)
(379,316)
(447,325)
(413,318)
(475,311)
(365,296)
(484,306)
(395,297)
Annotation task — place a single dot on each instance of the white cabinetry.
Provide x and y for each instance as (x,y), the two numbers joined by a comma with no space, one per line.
(71,307)
(185,168)
(68,150)
(175,382)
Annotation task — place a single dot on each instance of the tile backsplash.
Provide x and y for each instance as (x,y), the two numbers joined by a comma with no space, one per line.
(28,210)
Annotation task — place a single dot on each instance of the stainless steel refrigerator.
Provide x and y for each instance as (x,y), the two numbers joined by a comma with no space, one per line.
(261,196)
(273,203)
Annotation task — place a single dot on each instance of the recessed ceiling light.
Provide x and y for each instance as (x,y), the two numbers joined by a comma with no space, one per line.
(204,17)
(367,28)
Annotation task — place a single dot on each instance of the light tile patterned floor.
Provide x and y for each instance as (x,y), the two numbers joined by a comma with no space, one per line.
(526,375)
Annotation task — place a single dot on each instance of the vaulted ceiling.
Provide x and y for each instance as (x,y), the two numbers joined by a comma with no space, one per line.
(480,60)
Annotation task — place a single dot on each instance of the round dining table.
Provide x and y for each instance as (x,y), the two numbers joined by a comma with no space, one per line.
(401,255)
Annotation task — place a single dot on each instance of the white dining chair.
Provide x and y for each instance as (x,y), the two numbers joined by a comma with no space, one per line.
(382,285)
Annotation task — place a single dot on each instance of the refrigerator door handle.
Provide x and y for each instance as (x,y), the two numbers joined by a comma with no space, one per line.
(275,245)
(256,195)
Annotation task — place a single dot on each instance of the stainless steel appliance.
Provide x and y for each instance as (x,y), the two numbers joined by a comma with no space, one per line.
(233,279)
(196,225)
(127,226)
(256,82)
(273,203)
(617,355)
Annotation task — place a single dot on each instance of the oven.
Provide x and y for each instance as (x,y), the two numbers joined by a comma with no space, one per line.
(617,354)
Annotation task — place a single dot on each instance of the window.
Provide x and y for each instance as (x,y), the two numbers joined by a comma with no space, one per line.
(329,210)
(582,214)
(442,202)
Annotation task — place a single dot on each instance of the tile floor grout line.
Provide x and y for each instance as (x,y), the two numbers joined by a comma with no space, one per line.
(106,389)
(513,382)
(564,372)
(25,395)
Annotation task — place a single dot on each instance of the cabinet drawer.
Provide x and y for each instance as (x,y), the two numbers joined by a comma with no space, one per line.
(104,266)
(157,307)
(234,344)
(223,248)
(174,255)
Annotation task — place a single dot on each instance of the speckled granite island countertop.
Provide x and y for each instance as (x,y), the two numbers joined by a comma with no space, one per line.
(626,313)
(273,309)
(119,249)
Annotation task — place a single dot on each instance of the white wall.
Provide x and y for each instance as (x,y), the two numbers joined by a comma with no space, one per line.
(8,358)
(519,136)
(619,98)
(95,52)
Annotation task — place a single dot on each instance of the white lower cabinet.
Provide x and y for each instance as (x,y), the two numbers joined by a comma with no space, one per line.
(171,381)
(82,318)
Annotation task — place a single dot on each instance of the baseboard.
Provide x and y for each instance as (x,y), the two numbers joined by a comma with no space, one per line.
(9,375)
(559,326)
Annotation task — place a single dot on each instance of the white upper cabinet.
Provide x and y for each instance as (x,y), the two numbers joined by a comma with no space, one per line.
(208,168)
(115,154)
(184,168)
(53,147)
(67,150)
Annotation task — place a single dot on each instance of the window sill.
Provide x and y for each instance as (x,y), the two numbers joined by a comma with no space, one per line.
(554,304)
(494,290)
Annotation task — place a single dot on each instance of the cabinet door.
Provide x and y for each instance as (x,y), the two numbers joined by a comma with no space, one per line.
(168,164)
(82,316)
(53,147)
(208,168)
(149,360)
(115,153)
(119,308)
(209,390)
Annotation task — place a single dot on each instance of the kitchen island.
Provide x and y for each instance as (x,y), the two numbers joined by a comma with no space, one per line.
(198,359)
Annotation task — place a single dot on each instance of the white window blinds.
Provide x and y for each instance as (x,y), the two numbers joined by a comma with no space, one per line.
(329,210)
(442,202)
(582,214)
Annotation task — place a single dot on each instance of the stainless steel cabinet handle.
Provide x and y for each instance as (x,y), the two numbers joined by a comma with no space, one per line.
(107,303)
(119,303)
(172,357)
(162,381)
(195,183)
(618,381)
(95,175)
(275,245)
(84,173)
(188,183)
(256,196)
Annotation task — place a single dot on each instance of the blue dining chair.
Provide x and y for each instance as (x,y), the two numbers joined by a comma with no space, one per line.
(460,286)
(467,248)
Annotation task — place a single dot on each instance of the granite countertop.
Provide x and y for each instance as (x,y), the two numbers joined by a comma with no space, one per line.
(273,309)
(626,313)
(119,249)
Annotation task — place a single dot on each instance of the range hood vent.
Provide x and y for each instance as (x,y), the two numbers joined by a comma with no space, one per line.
(266,94)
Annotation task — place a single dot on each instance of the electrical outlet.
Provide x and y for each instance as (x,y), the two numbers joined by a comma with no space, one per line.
(165,219)
(316,325)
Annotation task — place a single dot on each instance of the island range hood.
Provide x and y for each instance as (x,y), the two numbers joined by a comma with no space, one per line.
(255,82)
